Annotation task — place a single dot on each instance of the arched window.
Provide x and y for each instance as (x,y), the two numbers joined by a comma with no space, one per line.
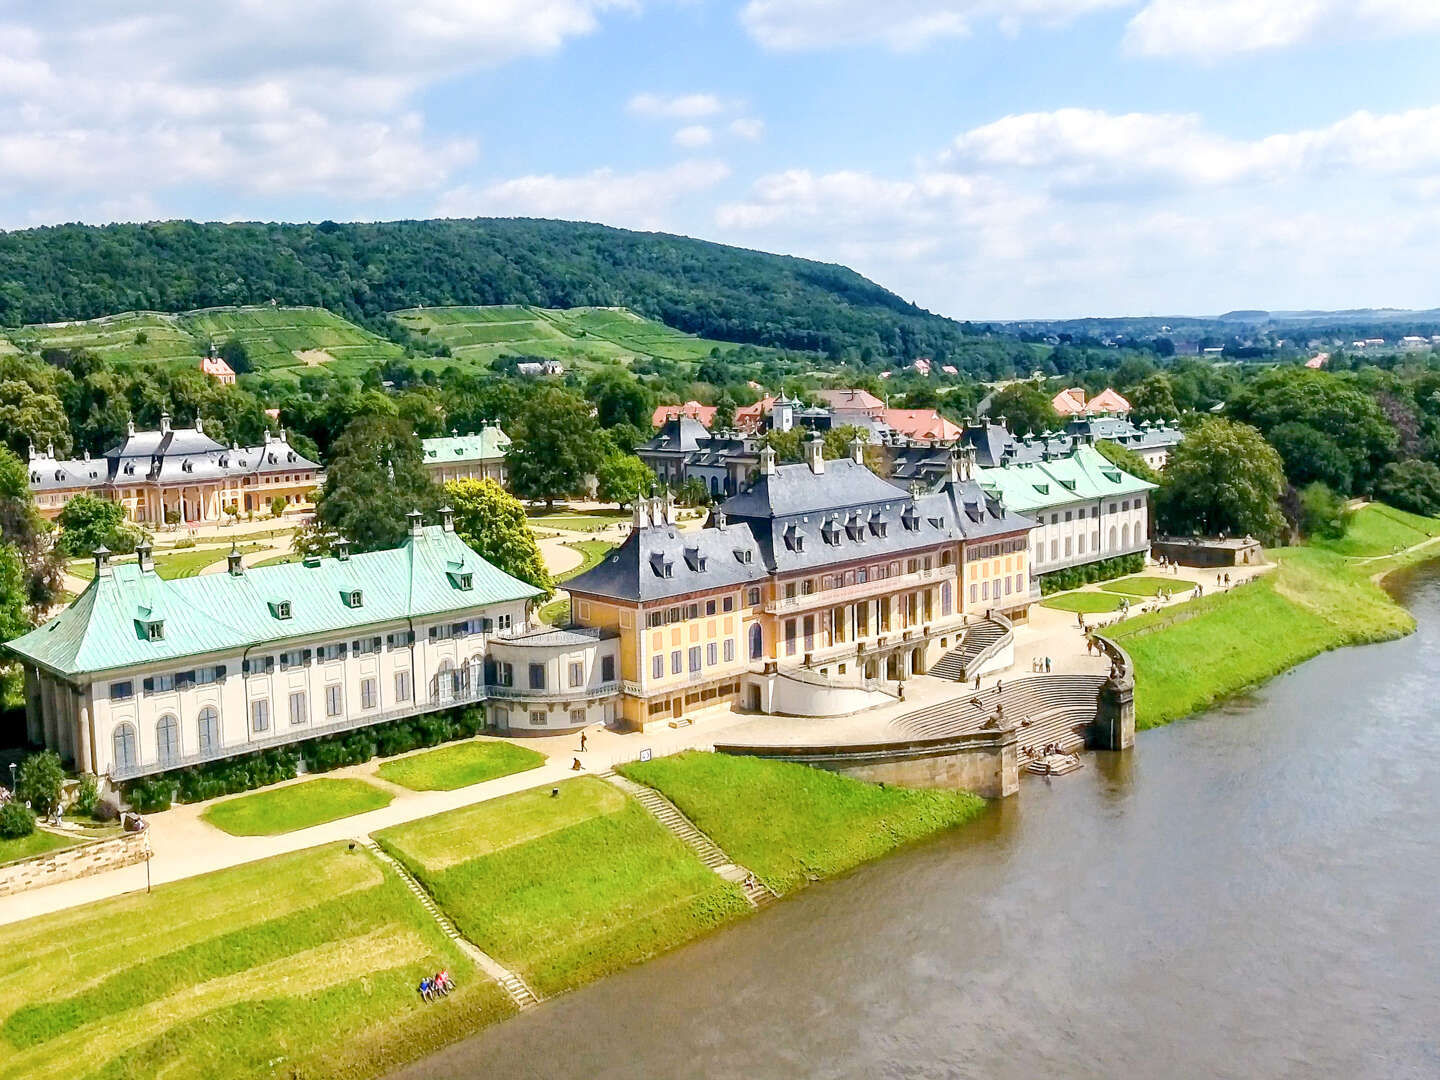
(1125,535)
(946,558)
(167,737)
(945,598)
(1112,537)
(475,673)
(126,756)
(207,724)
(757,642)
(446,679)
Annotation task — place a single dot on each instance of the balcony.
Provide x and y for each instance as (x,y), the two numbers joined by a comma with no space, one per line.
(574,693)
(860,591)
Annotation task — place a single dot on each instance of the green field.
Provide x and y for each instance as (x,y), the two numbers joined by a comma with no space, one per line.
(791,824)
(302,965)
(576,520)
(459,765)
(37,843)
(299,806)
(1146,586)
(275,338)
(1189,657)
(593,551)
(1091,603)
(1377,529)
(564,889)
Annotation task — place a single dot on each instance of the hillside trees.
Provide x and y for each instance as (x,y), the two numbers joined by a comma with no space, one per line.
(1411,485)
(1224,478)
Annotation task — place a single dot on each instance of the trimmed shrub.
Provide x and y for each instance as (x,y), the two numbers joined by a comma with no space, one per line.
(16,820)
(87,796)
(150,794)
(1074,576)
(41,781)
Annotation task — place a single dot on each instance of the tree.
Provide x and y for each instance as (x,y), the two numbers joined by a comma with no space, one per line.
(1026,408)
(1224,478)
(621,477)
(1411,485)
(553,450)
(88,522)
(234,353)
(724,414)
(374,478)
(1127,459)
(1322,512)
(1310,456)
(278,505)
(31,418)
(620,398)
(1153,399)
(23,529)
(13,594)
(788,445)
(492,521)
(40,781)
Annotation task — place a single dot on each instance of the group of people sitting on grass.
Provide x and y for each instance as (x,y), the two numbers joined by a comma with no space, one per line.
(436,986)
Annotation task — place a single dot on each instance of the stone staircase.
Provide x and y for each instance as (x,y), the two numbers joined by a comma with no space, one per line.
(979,638)
(709,852)
(520,993)
(1058,709)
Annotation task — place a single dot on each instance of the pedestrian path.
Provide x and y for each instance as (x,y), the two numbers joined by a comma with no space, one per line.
(710,853)
(520,993)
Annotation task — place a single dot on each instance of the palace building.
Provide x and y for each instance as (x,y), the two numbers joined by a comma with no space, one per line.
(476,455)
(141,675)
(803,593)
(178,475)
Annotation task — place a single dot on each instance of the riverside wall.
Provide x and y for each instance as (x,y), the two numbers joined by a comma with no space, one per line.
(93,857)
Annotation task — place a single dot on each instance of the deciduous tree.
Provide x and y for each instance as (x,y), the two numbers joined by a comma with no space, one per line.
(1224,478)
(375,477)
(492,521)
(88,522)
(554,448)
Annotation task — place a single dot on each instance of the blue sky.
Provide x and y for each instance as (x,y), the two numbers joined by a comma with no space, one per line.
(985,158)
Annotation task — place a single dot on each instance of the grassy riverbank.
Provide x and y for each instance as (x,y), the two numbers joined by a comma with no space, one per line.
(790,823)
(299,965)
(1191,656)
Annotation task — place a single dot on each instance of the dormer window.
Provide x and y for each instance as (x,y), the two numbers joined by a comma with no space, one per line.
(910,519)
(465,581)
(830,532)
(153,629)
(280,609)
(354,598)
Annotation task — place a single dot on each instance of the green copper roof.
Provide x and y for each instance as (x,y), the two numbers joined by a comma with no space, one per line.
(1084,473)
(104,629)
(486,444)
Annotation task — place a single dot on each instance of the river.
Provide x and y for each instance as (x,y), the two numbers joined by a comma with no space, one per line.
(1254,892)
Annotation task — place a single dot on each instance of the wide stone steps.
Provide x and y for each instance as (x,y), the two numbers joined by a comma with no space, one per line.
(955,665)
(709,852)
(520,993)
(1069,699)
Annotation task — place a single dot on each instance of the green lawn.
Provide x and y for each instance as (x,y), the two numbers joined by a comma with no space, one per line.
(299,965)
(460,765)
(556,612)
(1189,657)
(1146,586)
(593,551)
(1377,529)
(1091,603)
(577,520)
(565,889)
(177,563)
(37,843)
(790,823)
(285,809)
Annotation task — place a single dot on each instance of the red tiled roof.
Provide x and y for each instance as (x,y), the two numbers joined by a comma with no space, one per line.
(849,399)
(921,424)
(692,409)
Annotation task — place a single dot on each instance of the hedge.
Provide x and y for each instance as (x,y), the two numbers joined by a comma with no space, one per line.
(265,767)
(1073,577)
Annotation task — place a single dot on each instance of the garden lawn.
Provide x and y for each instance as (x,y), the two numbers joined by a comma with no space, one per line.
(1091,603)
(1377,529)
(790,823)
(1146,586)
(556,612)
(565,889)
(1189,657)
(593,551)
(577,522)
(37,843)
(300,965)
(298,806)
(460,765)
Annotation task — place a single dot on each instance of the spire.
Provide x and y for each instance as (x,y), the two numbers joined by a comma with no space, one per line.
(767,461)
(164,423)
(857,449)
(416,529)
(232,561)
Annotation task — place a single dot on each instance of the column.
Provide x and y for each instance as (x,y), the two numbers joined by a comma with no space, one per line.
(34,707)
(85,761)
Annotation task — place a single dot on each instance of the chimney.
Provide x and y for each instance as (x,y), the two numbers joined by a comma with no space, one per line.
(667,507)
(232,561)
(142,556)
(102,561)
(447,519)
(639,513)
(199,426)
(416,530)
(767,461)
(718,518)
(165,423)
(130,428)
(341,548)
(857,450)
(1001,421)
(815,453)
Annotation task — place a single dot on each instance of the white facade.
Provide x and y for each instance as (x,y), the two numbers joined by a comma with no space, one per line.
(1089,530)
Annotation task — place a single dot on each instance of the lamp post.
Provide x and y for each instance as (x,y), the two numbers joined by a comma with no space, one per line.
(12,778)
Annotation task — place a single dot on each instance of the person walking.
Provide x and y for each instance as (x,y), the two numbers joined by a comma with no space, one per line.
(582,742)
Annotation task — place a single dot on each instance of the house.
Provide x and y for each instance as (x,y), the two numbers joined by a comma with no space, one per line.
(177,475)
(141,675)
(539,368)
(472,456)
(814,584)
(1072,402)
(704,414)
(920,424)
(1318,361)
(216,368)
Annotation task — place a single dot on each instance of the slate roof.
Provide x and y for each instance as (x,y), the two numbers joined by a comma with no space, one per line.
(995,446)
(679,435)
(794,489)
(487,444)
(660,561)
(1084,473)
(103,629)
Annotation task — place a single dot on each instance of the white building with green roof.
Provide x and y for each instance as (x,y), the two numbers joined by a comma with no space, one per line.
(1087,508)
(476,455)
(141,675)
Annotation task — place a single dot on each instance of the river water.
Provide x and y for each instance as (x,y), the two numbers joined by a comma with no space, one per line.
(1254,892)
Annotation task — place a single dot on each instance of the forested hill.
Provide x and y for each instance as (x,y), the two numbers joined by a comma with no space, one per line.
(364,270)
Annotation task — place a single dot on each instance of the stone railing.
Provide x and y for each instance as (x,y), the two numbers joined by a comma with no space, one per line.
(524,693)
(93,857)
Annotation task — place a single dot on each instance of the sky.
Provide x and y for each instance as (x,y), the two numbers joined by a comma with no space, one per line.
(987,159)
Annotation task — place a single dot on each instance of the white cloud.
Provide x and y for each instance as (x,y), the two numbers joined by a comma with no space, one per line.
(747,127)
(1215,29)
(901,25)
(252,99)
(1078,211)
(692,136)
(677,107)
(642,199)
